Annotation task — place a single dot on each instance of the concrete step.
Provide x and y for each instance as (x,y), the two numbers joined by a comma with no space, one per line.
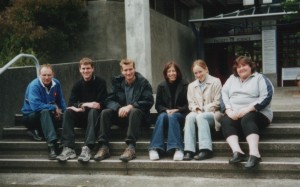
(270,147)
(275,130)
(280,116)
(270,167)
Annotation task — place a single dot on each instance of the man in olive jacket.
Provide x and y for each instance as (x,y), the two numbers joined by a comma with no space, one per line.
(130,100)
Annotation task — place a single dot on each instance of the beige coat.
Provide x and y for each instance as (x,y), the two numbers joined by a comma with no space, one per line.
(208,100)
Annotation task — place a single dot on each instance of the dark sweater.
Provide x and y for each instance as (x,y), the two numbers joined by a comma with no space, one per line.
(93,90)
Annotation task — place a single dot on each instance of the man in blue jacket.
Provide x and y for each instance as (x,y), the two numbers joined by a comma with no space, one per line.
(43,105)
(130,100)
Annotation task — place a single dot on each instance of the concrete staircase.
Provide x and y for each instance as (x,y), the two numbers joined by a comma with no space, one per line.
(279,146)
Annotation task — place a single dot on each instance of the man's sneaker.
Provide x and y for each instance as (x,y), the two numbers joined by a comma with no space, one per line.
(128,155)
(67,153)
(85,154)
(178,155)
(102,154)
(153,155)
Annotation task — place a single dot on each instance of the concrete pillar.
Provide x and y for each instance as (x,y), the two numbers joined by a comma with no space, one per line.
(269,50)
(138,41)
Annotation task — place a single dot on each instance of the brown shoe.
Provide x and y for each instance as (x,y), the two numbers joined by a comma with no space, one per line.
(128,155)
(102,154)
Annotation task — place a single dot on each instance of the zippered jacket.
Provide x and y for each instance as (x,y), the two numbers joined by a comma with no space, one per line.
(38,98)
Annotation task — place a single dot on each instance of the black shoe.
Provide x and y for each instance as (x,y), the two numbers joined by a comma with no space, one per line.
(52,151)
(34,134)
(204,155)
(188,156)
(237,157)
(252,163)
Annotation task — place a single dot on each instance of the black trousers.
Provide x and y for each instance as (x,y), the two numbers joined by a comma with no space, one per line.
(251,123)
(134,121)
(86,120)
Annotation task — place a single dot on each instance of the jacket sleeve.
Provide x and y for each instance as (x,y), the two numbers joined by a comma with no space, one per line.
(60,98)
(225,92)
(193,105)
(215,104)
(159,106)
(102,94)
(145,100)
(184,108)
(112,98)
(265,93)
(74,97)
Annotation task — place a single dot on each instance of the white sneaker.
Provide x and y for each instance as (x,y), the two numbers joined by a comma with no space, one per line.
(153,155)
(178,155)
(85,155)
(66,154)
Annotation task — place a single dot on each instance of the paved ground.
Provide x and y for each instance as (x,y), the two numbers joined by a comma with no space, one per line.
(135,181)
(287,98)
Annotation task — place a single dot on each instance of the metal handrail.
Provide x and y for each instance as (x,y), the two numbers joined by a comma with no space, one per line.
(16,58)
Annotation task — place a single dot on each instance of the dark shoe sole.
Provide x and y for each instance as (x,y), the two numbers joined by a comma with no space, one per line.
(253,167)
(187,159)
(127,159)
(101,158)
(241,160)
(52,158)
(83,161)
(204,158)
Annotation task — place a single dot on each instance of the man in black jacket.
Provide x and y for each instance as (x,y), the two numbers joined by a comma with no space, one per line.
(85,105)
(131,100)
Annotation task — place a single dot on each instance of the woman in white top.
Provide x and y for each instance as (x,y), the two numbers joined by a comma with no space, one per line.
(247,96)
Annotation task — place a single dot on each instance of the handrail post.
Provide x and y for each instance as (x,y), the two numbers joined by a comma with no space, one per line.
(16,58)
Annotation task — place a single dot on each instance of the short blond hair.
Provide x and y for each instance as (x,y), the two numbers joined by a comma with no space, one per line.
(46,66)
(126,61)
(86,61)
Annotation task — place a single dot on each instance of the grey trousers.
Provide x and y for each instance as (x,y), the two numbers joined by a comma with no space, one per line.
(86,120)
(134,121)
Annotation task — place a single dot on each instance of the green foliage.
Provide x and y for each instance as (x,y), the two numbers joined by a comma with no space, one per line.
(47,29)
(291,6)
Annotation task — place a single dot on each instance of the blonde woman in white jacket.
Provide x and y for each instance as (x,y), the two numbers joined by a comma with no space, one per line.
(204,96)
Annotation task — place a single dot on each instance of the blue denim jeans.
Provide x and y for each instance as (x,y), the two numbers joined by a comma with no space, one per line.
(172,124)
(204,121)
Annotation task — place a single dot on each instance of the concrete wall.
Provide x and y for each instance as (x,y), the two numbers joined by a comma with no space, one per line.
(14,82)
(106,39)
(170,40)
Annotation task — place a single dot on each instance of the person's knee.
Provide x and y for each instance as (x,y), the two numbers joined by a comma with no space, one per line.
(106,112)
(162,116)
(93,112)
(45,111)
(68,114)
(190,118)
(135,111)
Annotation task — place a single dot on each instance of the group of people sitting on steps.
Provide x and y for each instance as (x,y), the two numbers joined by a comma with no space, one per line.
(187,112)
